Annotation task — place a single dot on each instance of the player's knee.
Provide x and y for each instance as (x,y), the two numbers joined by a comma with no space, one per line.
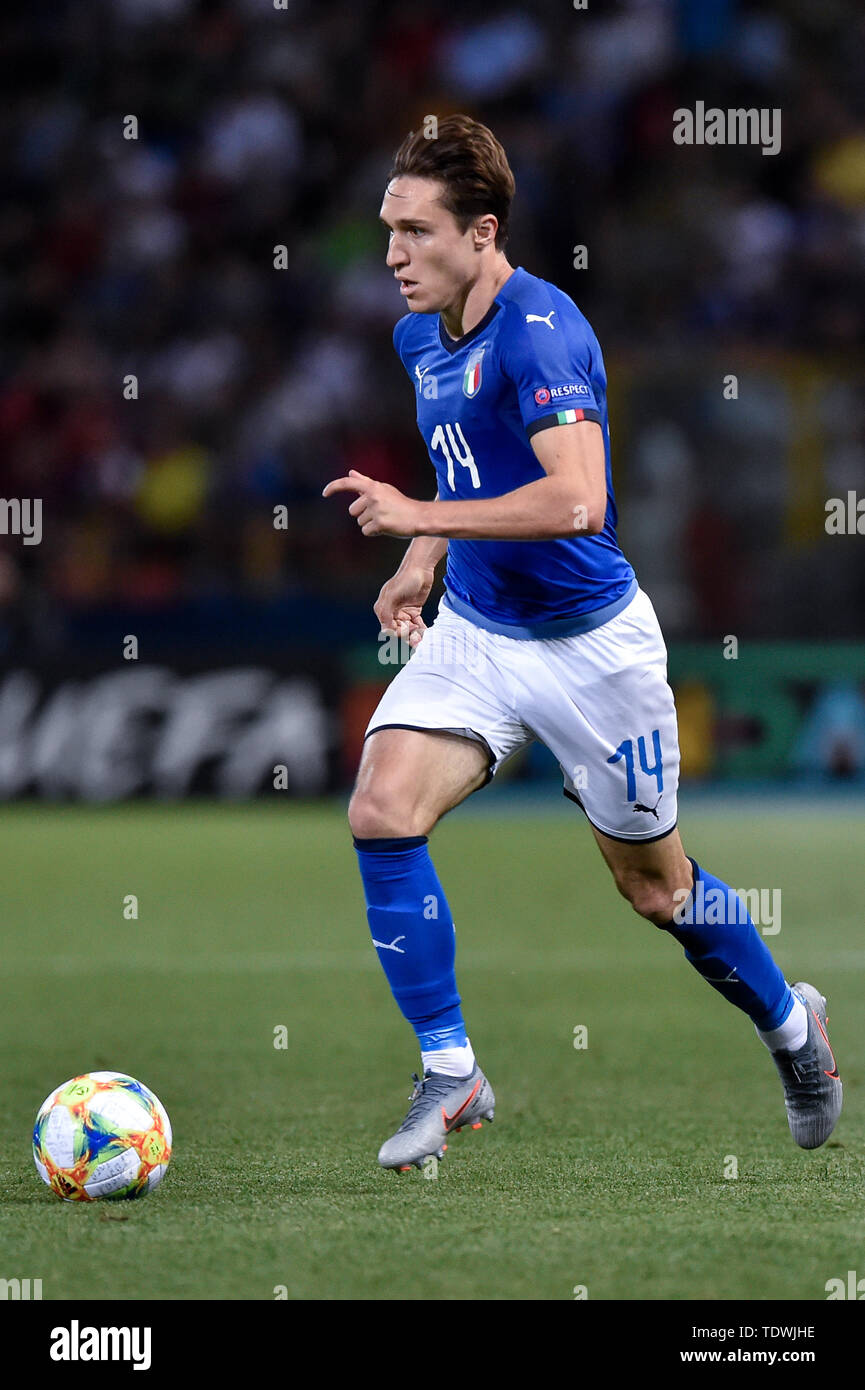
(377,815)
(650,897)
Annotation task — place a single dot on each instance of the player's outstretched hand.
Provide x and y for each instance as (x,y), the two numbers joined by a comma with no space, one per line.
(379,509)
(398,606)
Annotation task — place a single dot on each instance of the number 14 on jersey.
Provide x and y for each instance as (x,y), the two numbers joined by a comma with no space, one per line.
(445,439)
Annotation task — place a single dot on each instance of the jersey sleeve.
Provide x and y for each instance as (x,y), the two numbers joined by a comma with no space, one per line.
(550,365)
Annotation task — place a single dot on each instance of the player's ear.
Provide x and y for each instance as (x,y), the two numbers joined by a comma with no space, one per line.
(485,230)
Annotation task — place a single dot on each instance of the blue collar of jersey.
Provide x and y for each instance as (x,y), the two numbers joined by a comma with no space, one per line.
(453,345)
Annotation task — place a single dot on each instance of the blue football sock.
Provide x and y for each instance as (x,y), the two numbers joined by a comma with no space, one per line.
(724,946)
(413,932)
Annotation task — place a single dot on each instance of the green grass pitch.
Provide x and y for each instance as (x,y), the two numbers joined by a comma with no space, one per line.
(605,1166)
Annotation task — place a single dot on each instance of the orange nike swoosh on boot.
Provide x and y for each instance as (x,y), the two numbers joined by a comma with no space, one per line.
(449,1119)
(833,1074)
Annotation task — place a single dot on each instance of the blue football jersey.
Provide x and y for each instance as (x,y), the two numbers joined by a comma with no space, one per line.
(532,362)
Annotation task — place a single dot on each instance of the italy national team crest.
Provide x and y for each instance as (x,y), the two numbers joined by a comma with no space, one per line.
(472,378)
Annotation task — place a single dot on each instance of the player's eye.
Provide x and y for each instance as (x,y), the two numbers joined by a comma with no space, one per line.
(412,231)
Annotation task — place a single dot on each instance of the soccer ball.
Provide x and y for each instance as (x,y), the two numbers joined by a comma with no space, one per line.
(100,1135)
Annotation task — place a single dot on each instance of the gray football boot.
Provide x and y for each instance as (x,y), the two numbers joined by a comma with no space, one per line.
(812,1086)
(440,1105)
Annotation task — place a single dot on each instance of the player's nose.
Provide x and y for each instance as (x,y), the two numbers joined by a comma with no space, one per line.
(396,255)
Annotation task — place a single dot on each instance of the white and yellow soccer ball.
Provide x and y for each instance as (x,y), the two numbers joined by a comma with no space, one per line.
(101,1135)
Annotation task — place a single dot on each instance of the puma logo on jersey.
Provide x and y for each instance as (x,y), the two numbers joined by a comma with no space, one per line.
(541,318)
(650,810)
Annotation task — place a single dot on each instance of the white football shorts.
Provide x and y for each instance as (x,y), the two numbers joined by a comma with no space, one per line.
(599,701)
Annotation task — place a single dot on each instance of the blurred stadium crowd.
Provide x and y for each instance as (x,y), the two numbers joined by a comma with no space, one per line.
(260,127)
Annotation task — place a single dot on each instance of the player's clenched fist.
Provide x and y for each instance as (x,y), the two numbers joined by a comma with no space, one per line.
(398,606)
(379,509)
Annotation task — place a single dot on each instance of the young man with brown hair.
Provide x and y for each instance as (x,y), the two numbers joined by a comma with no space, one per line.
(543,632)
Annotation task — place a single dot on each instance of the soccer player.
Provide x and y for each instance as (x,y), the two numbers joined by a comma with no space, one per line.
(542,633)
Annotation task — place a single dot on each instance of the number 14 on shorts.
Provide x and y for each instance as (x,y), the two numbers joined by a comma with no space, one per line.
(626,750)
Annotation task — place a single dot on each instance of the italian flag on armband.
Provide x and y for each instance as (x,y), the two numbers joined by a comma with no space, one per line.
(569,417)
